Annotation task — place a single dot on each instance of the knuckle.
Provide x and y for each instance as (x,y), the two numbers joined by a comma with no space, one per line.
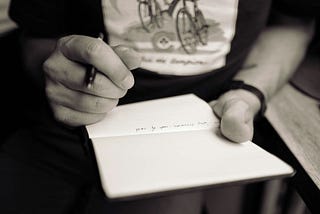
(48,66)
(50,89)
(61,42)
(92,50)
(50,92)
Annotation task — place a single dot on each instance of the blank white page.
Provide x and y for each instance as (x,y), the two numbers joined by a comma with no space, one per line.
(142,164)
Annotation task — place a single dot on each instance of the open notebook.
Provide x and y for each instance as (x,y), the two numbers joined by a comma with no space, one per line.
(173,144)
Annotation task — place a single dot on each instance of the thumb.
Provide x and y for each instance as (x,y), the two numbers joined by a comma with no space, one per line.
(236,121)
(129,56)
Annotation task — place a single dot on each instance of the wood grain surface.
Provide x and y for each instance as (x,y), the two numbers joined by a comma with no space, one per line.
(296,118)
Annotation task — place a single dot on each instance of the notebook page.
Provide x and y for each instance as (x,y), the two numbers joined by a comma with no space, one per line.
(143,164)
(173,114)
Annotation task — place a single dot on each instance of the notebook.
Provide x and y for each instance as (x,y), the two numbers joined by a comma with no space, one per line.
(173,144)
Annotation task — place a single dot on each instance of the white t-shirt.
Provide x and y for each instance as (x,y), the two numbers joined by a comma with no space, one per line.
(172,38)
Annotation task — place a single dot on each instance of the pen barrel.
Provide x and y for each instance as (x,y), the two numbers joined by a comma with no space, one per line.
(91,70)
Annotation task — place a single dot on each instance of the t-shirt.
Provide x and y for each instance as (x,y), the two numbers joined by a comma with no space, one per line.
(186,46)
(174,37)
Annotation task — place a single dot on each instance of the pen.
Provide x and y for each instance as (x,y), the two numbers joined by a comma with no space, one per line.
(91,70)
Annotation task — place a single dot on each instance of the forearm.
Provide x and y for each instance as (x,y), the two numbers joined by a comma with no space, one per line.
(276,54)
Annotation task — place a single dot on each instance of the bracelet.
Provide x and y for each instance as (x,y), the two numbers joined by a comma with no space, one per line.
(239,84)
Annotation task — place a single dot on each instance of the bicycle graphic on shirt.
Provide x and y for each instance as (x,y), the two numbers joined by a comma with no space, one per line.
(191,25)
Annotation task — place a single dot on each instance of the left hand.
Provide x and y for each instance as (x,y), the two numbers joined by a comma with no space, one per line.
(236,109)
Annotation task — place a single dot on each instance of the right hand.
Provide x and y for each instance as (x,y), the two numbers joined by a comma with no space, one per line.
(71,101)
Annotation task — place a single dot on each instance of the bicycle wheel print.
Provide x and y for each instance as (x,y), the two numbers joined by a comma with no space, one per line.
(202,27)
(145,15)
(186,31)
(158,15)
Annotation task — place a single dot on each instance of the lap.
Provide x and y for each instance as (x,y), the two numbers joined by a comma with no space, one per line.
(30,190)
(41,179)
(26,189)
(62,182)
(186,203)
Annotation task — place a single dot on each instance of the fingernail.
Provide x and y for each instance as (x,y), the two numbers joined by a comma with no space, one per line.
(66,39)
(129,56)
(128,82)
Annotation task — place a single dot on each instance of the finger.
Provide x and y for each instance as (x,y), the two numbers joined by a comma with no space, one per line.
(74,118)
(216,106)
(236,122)
(95,52)
(76,100)
(130,57)
(71,74)
(219,104)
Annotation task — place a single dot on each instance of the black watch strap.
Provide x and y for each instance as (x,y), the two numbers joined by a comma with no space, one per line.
(239,84)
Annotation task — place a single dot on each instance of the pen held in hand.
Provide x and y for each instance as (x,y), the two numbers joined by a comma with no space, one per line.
(90,76)
(92,71)
(129,57)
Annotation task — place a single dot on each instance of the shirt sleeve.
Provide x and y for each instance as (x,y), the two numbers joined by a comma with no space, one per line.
(38,18)
(298,8)
(55,18)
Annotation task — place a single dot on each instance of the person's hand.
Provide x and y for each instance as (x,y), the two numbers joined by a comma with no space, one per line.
(236,110)
(71,101)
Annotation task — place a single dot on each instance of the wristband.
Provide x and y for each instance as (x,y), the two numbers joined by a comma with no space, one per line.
(239,84)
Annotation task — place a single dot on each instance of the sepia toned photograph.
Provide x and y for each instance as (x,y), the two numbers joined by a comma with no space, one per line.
(160,107)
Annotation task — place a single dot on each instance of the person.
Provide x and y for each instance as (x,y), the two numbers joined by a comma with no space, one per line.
(174,48)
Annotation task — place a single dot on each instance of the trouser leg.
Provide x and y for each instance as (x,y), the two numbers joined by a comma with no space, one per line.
(25,189)
(225,200)
(178,203)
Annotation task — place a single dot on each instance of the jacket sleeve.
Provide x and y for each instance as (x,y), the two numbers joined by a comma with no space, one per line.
(55,18)
(39,18)
(298,8)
